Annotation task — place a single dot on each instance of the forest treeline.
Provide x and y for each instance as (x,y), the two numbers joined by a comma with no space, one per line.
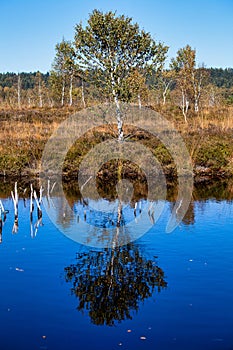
(222,78)
(36,89)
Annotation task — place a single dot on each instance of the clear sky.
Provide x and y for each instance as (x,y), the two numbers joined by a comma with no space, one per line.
(29,29)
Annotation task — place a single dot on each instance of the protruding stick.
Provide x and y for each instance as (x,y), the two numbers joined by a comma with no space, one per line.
(2,207)
(41,193)
(1,224)
(15,199)
(135,209)
(16,194)
(31,206)
(39,211)
(0,230)
(4,212)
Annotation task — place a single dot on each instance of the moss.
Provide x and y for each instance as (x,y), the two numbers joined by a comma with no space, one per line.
(163,155)
(214,154)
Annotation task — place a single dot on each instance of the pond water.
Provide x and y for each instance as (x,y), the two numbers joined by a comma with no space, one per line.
(161,291)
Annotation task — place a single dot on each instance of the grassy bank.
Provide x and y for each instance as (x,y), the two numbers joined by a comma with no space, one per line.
(24,134)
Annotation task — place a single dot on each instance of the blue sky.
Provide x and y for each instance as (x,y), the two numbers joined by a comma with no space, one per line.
(29,30)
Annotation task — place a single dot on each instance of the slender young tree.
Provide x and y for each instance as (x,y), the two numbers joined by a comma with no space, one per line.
(63,69)
(137,86)
(39,88)
(166,79)
(109,47)
(200,77)
(189,79)
(184,65)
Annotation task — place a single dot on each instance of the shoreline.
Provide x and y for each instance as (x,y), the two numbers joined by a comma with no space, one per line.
(199,176)
(218,188)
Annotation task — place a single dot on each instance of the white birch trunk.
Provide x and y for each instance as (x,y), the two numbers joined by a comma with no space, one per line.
(71,90)
(139,101)
(197,86)
(119,120)
(184,106)
(165,91)
(63,92)
(40,94)
(19,91)
(196,106)
(118,112)
(83,95)
(116,101)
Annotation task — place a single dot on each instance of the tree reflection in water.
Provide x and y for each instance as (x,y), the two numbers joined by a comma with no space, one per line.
(111,283)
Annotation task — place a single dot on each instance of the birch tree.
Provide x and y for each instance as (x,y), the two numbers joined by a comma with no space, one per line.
(184,65)
(199,79)
(137,86)
(64,68)
(189,79)
(166,79)
(40,87)
(109,47)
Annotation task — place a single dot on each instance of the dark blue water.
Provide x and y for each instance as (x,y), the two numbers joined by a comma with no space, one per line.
(190,307)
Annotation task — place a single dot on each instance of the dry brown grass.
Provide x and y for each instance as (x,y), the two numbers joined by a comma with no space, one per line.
(24,133)
(221,118)
(23,136)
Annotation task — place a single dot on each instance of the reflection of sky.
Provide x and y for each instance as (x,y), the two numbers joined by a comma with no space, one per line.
(194,312)
(103,213)
(86,223)
(212,210)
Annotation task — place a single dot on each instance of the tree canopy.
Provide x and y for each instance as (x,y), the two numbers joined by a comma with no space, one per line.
(112,46)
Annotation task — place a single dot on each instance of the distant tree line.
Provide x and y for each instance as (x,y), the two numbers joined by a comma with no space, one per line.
(222,78)
(220,84)
(28,80)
